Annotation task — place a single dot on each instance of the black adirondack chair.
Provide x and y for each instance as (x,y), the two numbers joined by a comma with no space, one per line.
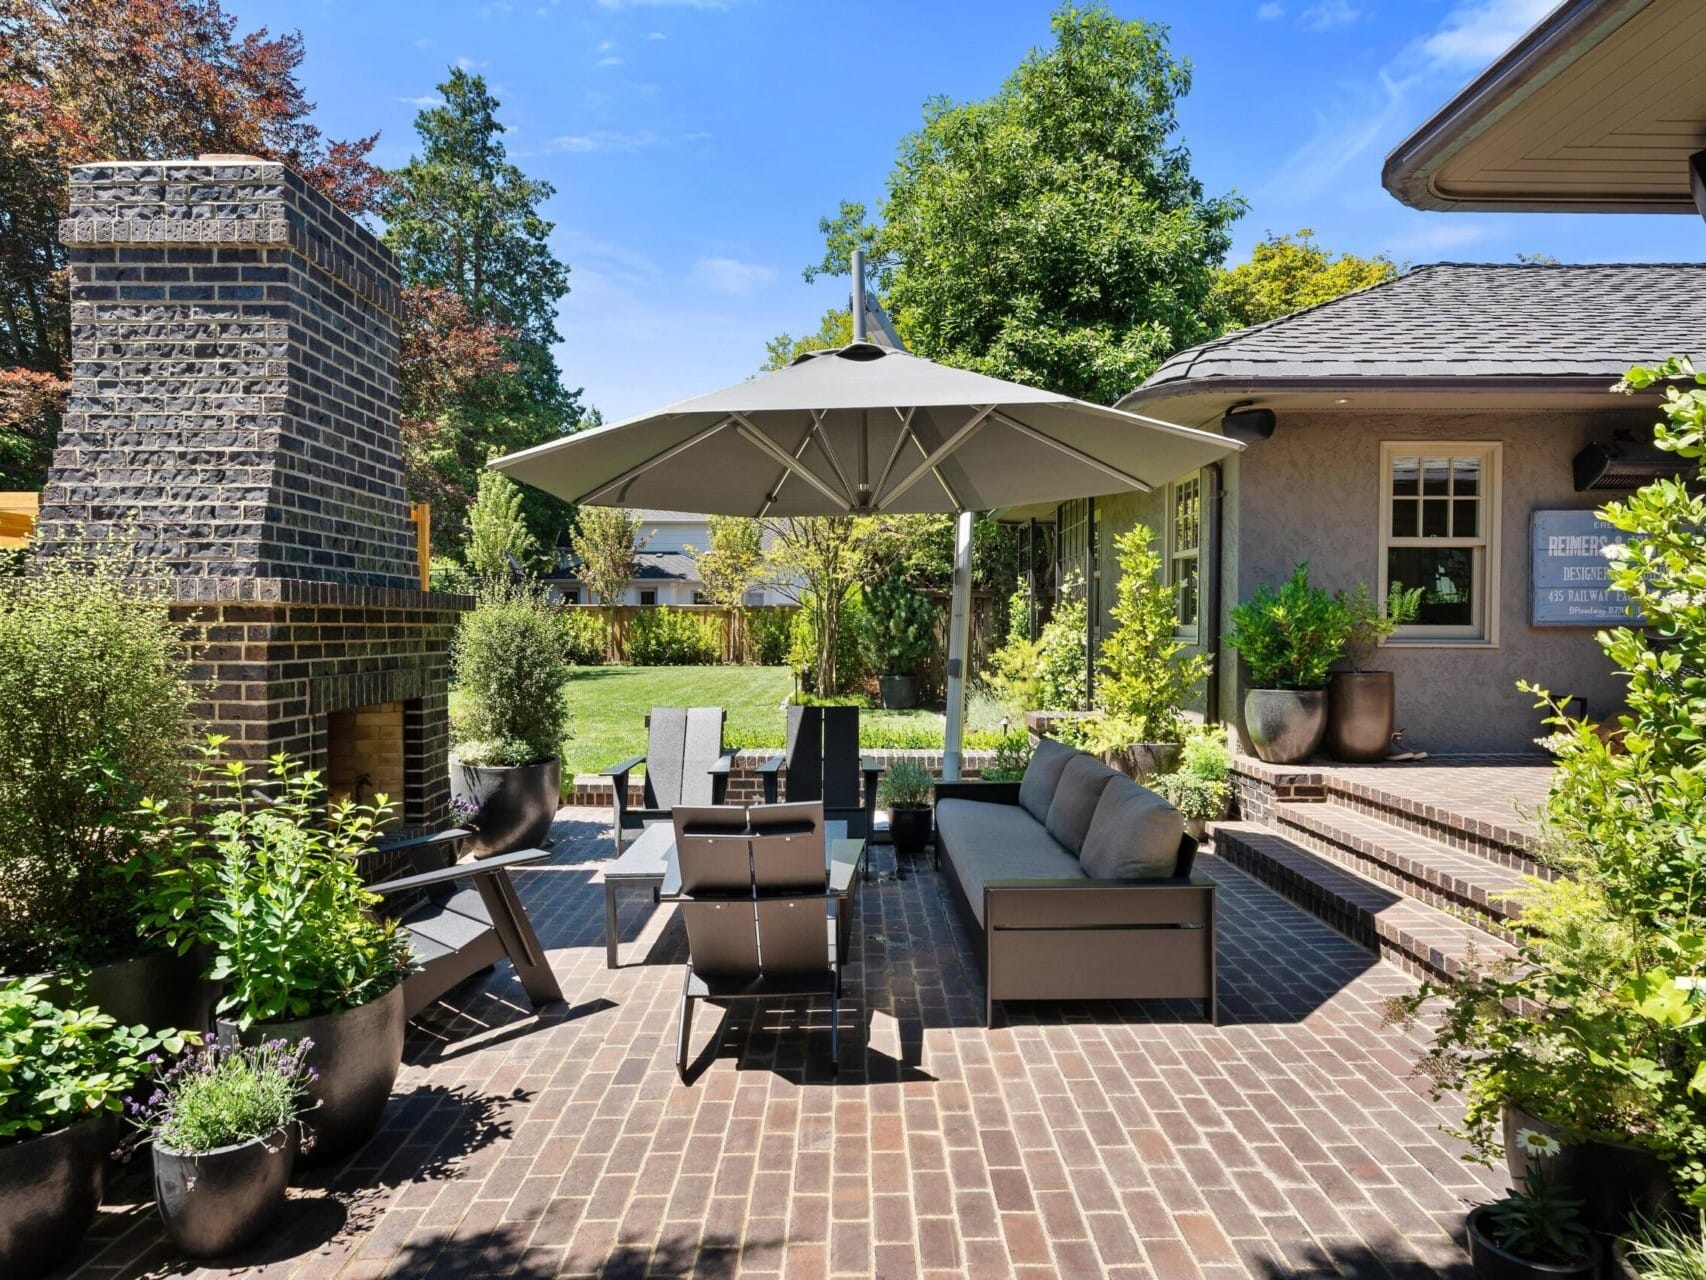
(685,764)
(755,899)
(821,761)
(462,918)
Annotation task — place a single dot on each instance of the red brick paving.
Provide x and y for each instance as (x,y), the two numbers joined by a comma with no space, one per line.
(1095,1140)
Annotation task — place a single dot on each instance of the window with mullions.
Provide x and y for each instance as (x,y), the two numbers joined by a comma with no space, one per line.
(1184,541)
(1439,532)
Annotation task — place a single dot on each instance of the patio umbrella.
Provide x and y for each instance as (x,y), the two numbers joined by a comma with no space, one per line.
(865,429)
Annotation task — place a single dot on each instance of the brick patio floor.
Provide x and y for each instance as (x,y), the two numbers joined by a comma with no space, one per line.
(1073,1141)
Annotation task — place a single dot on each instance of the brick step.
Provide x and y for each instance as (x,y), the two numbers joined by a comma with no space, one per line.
(1418,937)
(1423,867)
(1507,842)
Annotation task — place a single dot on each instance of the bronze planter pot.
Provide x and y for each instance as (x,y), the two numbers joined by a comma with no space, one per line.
(357,1053)
(50,1188)
(517,805)
(1285,725)
(215,1202)
(1361,708)
(899,693)
(1493,1263)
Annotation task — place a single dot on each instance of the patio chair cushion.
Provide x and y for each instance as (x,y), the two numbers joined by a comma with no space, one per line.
(1074,805)
(992,842)
(1042,776)
(1133,836)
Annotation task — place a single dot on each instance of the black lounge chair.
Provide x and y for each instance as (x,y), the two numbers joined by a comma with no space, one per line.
(685,764)
(462,918)
(755,897)
(821,761)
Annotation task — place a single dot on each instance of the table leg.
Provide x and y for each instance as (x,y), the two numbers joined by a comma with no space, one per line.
(609,924)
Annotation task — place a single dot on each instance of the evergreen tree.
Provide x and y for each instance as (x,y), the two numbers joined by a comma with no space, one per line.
(497,532)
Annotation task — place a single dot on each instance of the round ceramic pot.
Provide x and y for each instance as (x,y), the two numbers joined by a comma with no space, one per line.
(1493,1263)
(1145,759)
(909,829)
(1361,710)
(1285,725)
(50,1188)
(899,693)
(158,990)
(517,805)
(217,1201)
(356,1053)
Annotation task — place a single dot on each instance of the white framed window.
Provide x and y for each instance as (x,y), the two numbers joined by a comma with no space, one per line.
(1439,530)
(648,595)
(1183,551)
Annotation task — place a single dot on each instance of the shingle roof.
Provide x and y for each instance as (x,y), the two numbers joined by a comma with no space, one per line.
(1468,320)
(650,566)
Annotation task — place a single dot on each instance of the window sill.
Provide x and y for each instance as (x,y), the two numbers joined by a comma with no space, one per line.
(1438,642)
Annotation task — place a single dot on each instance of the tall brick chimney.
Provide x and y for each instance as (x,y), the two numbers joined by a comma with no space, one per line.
(234,418)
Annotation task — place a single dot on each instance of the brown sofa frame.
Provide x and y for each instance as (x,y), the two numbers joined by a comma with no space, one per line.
(1087,939)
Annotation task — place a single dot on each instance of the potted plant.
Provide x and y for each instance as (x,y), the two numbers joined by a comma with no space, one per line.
(94,715)
(1533,1234)
(1660,1249)
(1200,790)
(1362,704)
(902,627)
(63,1072)
(906,791)
(1290,640)
(508,727)
(1145,672)
(223,1124)
(270,883)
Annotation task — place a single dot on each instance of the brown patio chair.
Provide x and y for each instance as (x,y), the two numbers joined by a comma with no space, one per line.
(756,902)
(685,764)
(821,761)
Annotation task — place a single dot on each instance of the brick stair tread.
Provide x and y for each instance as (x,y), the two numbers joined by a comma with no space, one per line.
(1459,873)
(1440,942)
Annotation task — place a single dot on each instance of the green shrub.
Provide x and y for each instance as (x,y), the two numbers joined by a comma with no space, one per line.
(900,624)
(1012,756)
(1147,674)
(1290,638)
(852,660)
(60,1065)
(906,785)
(586,636)
(1667,1251)
(445,574)
(1206,753)
(222,1095)
(1050,673)
(767,633)
(1203,799)
(94,715)
(665,637)
(274,891)
(508,664)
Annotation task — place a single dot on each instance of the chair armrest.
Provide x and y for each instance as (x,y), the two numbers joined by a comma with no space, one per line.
(1098,904)
(772,765)
(622,770)
(986,792)
(461,871)
(431,839)
(769,775)
(722,764)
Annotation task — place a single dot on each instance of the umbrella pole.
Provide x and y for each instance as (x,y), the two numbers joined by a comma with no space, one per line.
(959,641)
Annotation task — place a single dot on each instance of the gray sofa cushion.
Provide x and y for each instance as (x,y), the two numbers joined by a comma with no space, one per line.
(1074,804)
(1042,775)
(1134,835)
(998,842)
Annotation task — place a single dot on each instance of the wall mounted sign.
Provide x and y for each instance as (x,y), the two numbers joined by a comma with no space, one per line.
(1568,586)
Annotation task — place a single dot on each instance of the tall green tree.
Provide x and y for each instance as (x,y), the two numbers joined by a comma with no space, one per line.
(497,532)
(1054,233)
(1291,272)
(731,560)
(462,218)
(606,542)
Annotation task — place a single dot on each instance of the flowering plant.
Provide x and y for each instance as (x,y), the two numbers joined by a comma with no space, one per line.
(223,1095)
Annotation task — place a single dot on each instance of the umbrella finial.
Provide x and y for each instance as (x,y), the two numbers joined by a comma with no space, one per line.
(858,295)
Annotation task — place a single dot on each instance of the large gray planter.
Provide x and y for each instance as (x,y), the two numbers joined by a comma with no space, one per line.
(1361,714)
(1142,760)
(159,990)
(215,1202)
(517,805)
(1285,725)
(357,1053)
(50,1188)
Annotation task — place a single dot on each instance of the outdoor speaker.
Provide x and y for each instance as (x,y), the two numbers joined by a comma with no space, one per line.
(1248,424)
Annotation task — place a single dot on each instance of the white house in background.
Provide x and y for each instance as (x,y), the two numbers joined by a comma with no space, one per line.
(667,572)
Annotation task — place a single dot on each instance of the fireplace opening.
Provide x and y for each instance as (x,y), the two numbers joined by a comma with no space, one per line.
(364,756)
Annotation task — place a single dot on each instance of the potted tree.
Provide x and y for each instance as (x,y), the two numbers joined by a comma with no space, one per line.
(906,791)
(1290,640)
(902,628)
(66,1069)
(1533,1234)
(270,884)
(223,1124)
(1362,704)
(509,724)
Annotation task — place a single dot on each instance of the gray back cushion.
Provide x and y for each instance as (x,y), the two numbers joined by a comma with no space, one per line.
(1042,775)
(1134,835)
(1081,785)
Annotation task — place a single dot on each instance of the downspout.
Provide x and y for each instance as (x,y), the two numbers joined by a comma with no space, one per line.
(1208,600)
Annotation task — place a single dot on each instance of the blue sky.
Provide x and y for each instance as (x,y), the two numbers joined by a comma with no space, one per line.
(695,143)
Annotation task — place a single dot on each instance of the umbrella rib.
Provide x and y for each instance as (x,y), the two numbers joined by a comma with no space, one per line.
(1095,464)
(899,444)
(936,455)
(817,433)
(753,436)
(635,472)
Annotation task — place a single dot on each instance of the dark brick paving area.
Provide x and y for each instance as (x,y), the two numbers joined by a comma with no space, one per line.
(1074,1141)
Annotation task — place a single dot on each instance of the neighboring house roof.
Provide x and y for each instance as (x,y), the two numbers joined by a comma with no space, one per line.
(649,516)
(1459,322)
(651,566)
(1597,109)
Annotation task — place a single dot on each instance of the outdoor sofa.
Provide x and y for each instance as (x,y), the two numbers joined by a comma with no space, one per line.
(1076,884)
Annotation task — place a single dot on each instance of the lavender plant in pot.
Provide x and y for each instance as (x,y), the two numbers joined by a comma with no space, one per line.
(906,790)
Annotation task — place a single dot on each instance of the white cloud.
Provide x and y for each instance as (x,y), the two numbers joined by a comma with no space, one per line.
(603,140)
(607,46)
(611,61)
(662,4)
(1329,13)
(423,102)
(465,63)
(731,276)
(656,35)
(424,42)
(1271,10)
(1443,231)
(1476,33)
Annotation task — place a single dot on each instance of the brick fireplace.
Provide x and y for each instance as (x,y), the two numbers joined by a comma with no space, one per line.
(234,419)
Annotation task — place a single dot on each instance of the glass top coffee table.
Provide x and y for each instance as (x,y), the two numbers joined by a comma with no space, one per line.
(649,863)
